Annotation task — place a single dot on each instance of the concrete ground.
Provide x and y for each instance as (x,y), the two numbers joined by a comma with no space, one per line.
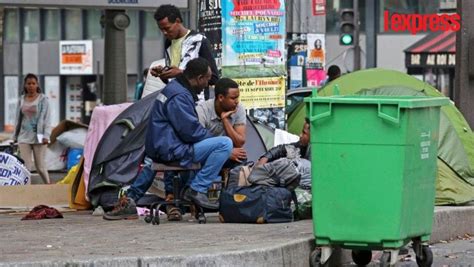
(81,239)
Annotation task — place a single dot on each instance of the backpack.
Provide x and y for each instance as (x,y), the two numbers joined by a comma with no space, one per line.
(255,204)
(238,176)
(282,172)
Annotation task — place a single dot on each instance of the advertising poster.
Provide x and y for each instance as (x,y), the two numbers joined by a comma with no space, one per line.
(253,38)
(210,24)
(51,88)
(265,92)
(75,57)
(264,99)
(316,59)
(10,102)
(318,7)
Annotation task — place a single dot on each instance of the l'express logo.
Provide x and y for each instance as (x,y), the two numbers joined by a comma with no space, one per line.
(415,23)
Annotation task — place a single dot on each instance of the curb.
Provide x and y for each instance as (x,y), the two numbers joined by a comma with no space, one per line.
(294,253)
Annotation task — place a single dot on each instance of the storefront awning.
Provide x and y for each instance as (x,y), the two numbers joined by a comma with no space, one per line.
(436,50)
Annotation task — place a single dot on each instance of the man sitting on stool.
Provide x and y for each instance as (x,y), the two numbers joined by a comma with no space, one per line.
(175,135)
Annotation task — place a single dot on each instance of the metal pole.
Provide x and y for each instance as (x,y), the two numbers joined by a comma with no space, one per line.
(371,33)
(464,70)
(115,64)
(356,35)
(98,91)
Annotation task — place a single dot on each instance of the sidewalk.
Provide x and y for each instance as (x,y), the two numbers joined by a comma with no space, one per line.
(84,240)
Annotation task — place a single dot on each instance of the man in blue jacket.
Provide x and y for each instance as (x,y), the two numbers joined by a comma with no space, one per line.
(175,135)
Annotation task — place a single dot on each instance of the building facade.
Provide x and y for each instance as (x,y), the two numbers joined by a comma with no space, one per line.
(32,38)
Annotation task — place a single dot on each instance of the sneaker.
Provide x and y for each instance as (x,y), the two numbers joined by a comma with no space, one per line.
(200,199)
(125,209)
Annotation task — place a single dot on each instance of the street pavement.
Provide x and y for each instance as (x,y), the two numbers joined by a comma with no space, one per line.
(80,239)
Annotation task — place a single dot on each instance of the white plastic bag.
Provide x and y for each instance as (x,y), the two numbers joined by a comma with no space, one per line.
(55,157)
(74,138)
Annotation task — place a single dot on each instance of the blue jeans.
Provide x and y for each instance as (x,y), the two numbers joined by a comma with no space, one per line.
(143,181)
(212,153)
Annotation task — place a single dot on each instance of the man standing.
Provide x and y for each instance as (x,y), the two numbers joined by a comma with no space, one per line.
(181,45)
(175,134)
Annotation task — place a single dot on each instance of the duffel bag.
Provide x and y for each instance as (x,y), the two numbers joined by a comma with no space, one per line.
(255,204)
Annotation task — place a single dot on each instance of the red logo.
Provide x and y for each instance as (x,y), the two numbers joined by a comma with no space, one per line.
(415,23)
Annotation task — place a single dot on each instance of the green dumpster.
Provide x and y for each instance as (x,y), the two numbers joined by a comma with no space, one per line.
(373,171)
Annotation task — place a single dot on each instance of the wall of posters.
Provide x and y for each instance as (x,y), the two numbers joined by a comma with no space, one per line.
(75,57)
(10,102)
(253,50)
(297,52)
(210,24)
(253,38)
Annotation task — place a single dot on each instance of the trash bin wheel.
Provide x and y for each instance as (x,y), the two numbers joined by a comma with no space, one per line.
(361,257)
(202,219)
(155,220)
(426,257)
(385,259)
(315,259)
(148,219)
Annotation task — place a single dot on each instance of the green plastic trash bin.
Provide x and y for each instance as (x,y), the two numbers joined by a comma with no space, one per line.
(373,169)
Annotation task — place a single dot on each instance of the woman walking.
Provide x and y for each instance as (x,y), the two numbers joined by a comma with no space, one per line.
(32,129)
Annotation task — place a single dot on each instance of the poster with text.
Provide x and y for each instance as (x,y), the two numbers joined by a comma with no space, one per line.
(316,59)
(316,51)
(253,38)
(75,57)
(210,24)
(264,99)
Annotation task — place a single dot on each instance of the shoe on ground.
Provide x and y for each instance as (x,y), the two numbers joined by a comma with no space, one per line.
(173,213)
(125,209)
(200,199)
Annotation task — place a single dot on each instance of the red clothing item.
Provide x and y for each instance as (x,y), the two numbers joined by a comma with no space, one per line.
(42,212)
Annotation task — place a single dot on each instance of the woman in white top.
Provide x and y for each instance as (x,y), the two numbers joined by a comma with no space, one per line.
(32,129)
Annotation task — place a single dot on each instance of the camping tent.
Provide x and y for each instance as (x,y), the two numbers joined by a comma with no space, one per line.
(121,149)
(455,183)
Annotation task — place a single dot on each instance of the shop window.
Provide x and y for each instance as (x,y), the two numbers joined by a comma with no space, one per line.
(73,23)
(11,25)
(93,28)
(406,7)
(51,24)
(151,28)
(31,31)
(132,29)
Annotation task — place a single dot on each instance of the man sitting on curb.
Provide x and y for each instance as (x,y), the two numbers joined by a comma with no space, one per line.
(175,134)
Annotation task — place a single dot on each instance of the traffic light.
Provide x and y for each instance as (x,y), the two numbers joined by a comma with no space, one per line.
(347,27)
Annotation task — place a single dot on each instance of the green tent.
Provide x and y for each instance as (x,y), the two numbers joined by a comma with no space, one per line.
(455,183)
